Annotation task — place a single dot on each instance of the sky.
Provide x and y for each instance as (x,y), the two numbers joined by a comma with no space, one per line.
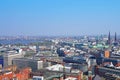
(59,17)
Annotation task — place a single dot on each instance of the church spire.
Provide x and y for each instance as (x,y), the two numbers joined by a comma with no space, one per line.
(115,37)
(109,38)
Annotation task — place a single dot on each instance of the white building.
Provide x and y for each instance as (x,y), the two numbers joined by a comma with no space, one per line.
(59,67)
(38,78)
(71,78)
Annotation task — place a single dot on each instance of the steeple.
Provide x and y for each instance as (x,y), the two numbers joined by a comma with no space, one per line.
(115,40)
(109,38)
(115,37)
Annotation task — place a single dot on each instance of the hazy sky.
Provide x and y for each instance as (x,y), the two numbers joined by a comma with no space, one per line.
(59,17)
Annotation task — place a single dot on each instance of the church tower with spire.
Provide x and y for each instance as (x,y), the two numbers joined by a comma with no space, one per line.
(115,40)
(109,38)
(115,37)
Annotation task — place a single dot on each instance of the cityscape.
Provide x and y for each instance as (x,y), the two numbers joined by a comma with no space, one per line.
(60,58)
(59,40)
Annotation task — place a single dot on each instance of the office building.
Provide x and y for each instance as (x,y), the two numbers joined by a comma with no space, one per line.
(9,56)
(25,62)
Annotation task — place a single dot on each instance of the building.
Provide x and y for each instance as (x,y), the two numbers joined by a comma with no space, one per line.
(59,67)
(25,62)
(115,37)
(109,38)
(107,54)
(38,78)
(71,78)
(9,56)
(55,75)
(115,61)
(22,74)
(1,61)
(103,71)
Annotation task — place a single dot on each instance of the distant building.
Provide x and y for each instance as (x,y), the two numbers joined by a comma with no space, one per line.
(115,37)
(109,39)
(115,40)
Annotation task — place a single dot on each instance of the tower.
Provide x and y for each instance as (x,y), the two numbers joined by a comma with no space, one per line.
(115,40)
(109,38)
(115,37)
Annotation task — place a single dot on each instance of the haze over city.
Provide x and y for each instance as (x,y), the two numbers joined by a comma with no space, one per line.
(59,17)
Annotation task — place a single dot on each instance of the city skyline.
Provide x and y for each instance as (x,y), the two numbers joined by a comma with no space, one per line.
(61,17)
